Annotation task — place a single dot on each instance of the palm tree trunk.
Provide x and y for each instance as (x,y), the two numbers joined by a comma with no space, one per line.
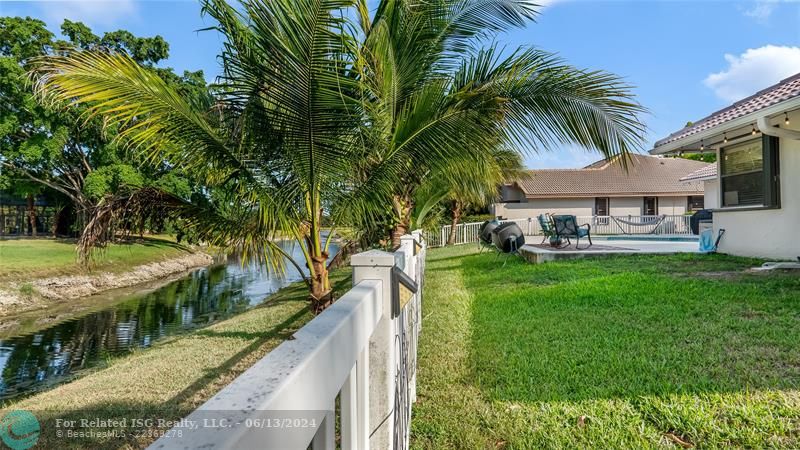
(32,214)
(403,205)
(456,217)
(317,260)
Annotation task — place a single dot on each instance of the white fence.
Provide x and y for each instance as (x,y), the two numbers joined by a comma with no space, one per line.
(361,350)
(467,233)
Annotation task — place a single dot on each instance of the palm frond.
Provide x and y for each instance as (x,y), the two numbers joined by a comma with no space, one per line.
(152,117)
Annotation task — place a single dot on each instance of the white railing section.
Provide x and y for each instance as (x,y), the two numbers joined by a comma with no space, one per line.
(467,233)
(357,350)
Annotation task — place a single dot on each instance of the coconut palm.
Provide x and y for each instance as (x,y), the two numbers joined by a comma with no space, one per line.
(318,118)
(462,191)
(435,90)
(276,148)
(466,184)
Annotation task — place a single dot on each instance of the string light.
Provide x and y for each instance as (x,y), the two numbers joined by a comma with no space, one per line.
(754,130)
(724,138)
(702,146)
(786,118)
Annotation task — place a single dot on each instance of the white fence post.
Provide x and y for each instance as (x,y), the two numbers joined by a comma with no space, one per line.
(361,349)
(377,265)
(407,247)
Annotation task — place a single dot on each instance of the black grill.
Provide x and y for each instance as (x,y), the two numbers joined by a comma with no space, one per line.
(508,237)
(699,216)
(485,233)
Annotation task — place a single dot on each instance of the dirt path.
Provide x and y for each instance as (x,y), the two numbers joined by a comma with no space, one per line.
(16,297)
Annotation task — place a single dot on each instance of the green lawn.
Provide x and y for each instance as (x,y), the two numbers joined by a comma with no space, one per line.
(176,375)
(31,258)
(625,352)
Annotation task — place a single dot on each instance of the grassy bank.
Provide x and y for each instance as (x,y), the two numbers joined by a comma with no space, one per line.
(175,376)
(627,352)
(23,259)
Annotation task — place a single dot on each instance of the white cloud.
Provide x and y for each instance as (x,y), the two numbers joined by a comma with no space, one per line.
(754,70)
(761,10)
(91,12)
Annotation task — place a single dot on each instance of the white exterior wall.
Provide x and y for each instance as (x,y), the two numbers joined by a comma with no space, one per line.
(626,206)
(711,200)
(535,206)
(618,206)
(672,206)
(768,233)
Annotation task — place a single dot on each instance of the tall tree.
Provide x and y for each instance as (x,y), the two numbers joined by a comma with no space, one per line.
(61,148)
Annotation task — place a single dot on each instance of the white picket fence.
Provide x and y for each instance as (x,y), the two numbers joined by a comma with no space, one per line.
(467,233)
(361,350)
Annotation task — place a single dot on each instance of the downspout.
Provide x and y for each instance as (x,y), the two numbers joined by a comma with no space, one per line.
(769,130)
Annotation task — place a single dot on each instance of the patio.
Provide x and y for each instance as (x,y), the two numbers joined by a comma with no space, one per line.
(537,253)
(643,351)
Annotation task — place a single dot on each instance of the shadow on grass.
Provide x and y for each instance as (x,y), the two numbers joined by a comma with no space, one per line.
(150,241)
(624,327)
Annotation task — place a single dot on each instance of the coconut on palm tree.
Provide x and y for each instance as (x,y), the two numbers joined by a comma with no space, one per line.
(326,111)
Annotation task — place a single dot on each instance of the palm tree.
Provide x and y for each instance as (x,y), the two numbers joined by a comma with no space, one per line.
(277,147)
(317,118)
(462,191)
(465,184)
(436,92)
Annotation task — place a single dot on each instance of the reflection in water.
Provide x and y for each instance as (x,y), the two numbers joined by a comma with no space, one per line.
(33,361)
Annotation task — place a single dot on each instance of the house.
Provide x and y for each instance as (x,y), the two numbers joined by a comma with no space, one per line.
(650,186)
(708,175)
(754,188)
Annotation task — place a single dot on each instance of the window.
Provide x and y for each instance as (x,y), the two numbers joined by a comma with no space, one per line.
(601,209)
(749,173)
(696,203)
(601,206)
(650,206)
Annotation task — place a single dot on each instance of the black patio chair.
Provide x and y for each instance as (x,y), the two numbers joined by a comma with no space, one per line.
(566,227)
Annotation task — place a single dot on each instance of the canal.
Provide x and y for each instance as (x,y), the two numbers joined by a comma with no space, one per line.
(48,348)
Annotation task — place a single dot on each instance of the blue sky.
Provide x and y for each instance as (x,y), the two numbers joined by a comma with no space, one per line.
(686,59)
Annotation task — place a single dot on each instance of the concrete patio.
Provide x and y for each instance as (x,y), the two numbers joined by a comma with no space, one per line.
(537,253)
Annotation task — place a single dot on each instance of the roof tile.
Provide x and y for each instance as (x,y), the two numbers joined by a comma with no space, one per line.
(784,90)
(645,175)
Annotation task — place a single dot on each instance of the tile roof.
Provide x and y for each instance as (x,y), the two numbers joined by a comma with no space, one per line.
(709,171)
(646,175)
(784,90)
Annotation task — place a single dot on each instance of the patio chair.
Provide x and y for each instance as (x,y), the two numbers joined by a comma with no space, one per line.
(546,224)
(566,227)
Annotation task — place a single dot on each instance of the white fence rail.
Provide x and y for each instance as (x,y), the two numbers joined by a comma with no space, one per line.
(361,350)
(467,233)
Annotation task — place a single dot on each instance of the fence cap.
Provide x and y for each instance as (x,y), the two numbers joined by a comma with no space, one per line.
(376,258)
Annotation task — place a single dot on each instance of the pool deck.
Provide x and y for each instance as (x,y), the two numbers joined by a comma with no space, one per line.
(535,253)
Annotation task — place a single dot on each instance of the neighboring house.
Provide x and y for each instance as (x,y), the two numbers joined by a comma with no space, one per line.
(650,186)
(708,175)
(756,181)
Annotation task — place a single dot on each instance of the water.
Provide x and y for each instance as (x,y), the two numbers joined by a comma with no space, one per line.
(56,347)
